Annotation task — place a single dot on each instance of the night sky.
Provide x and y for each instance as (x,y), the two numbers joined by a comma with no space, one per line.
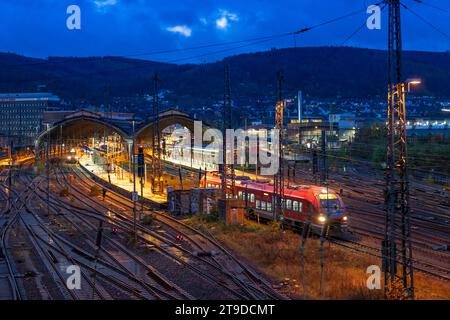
(135,27)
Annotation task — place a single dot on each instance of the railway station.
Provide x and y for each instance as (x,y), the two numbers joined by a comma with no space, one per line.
(223,184)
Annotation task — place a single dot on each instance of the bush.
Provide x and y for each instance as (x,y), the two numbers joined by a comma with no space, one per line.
(148,219)
(39,167)
(64,192)
(131,239)
(95,191)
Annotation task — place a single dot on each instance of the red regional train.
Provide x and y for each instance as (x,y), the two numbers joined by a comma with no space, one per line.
(298,203)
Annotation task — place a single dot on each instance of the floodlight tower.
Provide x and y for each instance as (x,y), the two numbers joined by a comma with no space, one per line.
(156,140)
(279,176)
(227,170)
(398,284)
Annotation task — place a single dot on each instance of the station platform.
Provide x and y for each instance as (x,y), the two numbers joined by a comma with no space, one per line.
(122,179)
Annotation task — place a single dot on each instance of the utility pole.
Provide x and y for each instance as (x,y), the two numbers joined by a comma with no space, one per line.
(324,166)
(47,172)
(279,176)
(156,141)
(398,284)
(141,175)
(10,162)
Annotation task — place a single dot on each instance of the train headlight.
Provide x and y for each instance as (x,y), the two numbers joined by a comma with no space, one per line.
(69,158)
(345,218)
(322,219)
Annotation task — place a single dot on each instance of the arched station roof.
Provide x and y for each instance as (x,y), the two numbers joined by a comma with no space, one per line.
(84,124)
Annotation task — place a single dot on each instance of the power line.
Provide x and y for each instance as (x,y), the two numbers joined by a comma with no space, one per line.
(431,25)
(432,6)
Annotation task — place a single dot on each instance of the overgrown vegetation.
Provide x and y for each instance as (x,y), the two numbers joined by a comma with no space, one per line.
(276,253)
(148,219)
(64,192)
(95,191)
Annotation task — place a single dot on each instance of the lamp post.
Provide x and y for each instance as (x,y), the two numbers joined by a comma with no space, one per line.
(412,82)
(397,223)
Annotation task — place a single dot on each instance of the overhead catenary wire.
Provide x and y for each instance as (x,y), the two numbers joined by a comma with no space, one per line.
(431,25)
(432,6)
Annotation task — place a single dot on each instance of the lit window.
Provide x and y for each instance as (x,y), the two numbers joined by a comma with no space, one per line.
(289,204)
(263,205)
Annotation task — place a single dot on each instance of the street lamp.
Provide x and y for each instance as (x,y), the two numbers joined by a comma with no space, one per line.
(413,82)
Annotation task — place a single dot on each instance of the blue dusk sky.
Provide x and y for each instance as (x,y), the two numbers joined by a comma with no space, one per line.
(140,27)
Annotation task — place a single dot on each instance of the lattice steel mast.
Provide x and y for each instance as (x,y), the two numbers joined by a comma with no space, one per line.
(156,141)
(227,170)
(398,284)
(279,176)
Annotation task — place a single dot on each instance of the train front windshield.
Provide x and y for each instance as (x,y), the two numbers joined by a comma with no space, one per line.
(330,205)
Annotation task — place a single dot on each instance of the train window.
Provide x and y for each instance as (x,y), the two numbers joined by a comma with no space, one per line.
(263,205)
(258,204)
(331,204)
(295,205)
(269,206)
(240,195)
(252,197)
(289,204)
(283,205)
(300,206)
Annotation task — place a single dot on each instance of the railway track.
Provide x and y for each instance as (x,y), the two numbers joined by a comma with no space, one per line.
(438,272)
(83,253)
(8,219)
(250,283)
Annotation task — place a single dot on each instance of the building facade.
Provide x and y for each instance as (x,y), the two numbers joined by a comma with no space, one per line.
(21,114)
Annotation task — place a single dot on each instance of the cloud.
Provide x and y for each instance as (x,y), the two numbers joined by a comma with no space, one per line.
(183,30)
(223,22)
(105,3)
